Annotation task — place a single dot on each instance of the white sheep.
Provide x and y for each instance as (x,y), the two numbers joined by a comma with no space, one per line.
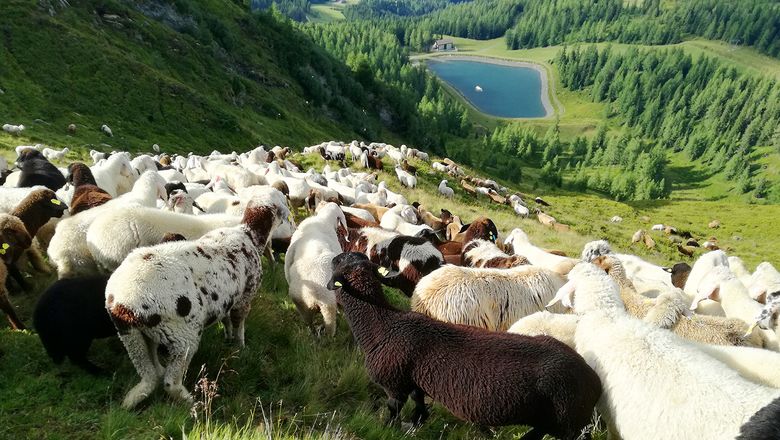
(113,235)
(15,130)
(719,284)
(520,209)
(493,299)
(116,175)
(392,197)
(616,219)
(522,246)
(755,364)
(181,202)
(164,296)
(378,198)
(68,249)
(96,156)
(52,154)
(407,179)
(658,227)
(438,166)
(307,265)
(648,373)
(445,190)
(143,163)
(398,219)
(106,130)
(764,281)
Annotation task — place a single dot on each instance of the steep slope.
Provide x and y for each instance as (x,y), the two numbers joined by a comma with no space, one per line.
(189,75)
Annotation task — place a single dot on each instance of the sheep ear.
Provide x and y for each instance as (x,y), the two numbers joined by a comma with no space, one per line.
(565,295)
(705,291)
(758,293)
(464,227)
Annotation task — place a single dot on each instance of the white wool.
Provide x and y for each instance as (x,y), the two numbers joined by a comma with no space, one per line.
(68,249)
(721,285)
(112,236)
(559,326)
(184,286)
(765,280)
(307,265)
(649,373)
(445,190)
(407,179)
(493,299)
(393,221)
(521,245)
(116,175)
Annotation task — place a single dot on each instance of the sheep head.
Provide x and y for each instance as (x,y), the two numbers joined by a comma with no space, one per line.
(355,275)
(80,174)
(589,289)
(595,249)
(14,238)
(679,273)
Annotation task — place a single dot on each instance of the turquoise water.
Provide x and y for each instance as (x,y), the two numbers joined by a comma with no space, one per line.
(507,91)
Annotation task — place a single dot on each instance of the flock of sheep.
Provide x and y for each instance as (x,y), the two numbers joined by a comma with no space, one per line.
(155,248)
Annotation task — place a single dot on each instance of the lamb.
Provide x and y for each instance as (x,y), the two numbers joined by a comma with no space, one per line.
(435,223)
(533,381)
(36,170)
(492,299)
(69,315)
(307,265)
(485,254)
(52,154)
(668,311)
(633,360)
(112,236)
(69,250)
(722,286)
(86,193)
(407,179)
(106,130)
(445,190)
(162,297)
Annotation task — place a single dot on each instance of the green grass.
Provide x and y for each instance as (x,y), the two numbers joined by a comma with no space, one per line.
(192,86)
(329,11)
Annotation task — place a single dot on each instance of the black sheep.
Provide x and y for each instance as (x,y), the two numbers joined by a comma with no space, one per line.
(763,425)
(487,378)
(69,315)
(37,170)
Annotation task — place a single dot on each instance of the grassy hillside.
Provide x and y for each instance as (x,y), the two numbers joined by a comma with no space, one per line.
(287,384)
(188,75)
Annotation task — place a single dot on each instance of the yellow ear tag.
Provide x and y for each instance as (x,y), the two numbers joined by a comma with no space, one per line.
(6,246)
(337,283)
(382,271)
(56,202)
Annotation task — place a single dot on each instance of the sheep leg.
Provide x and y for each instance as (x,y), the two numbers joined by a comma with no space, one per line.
(420,414)
(16,274)
(228,325)
(395,405)
(180,357)
(237,318)
(138,350)
(36,260)
(10,312)
(329,315)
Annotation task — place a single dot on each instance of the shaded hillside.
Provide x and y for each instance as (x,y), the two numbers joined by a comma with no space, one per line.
(189,75)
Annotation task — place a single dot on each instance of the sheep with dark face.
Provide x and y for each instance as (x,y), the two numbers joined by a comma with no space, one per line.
(536,381)
(86,193)
(162,297)
(37,170)
(70,314)
(408,259)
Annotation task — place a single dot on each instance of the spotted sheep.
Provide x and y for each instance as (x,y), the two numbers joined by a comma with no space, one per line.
(162,297)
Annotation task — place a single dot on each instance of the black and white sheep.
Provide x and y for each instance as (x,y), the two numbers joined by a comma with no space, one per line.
(162,297)
(487,378)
